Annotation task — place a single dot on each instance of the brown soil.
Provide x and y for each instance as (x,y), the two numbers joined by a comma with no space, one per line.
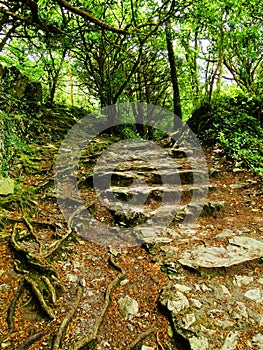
(80,259)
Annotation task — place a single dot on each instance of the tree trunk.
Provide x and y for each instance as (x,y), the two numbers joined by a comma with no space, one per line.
(174,78)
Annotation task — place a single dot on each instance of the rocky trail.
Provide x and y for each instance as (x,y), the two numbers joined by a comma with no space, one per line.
(165,256)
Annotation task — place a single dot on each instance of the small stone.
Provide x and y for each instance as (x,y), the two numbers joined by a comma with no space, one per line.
(196,303)
(198,343)
(128,306)
(72,278)
(83,282)
(205,288)
(189,319)
(241,308)
(230,341)
(258,340)
(225,290)
(144,347)
(172,233)
(254,294)
(182,288)
(124,282)
(239,280)
(240,185)
(175,306)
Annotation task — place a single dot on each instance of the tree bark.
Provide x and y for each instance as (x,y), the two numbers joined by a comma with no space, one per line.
(174,78)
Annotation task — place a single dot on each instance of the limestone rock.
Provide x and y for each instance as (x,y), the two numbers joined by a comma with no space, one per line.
(240,249)
(178,303)
(128,306)
(230,341)
(255,294)
(198,343)
(258,340)
(144,347)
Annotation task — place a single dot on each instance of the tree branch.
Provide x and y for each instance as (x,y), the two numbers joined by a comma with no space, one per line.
(90,17)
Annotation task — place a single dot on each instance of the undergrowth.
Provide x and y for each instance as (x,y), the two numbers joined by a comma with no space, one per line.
(231,123)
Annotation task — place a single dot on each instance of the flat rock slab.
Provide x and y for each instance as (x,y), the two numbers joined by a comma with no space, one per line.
(240,250)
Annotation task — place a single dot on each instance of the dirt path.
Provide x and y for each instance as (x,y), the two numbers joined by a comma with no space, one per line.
(111,296)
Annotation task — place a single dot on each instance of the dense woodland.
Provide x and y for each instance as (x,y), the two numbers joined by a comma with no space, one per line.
(191,57)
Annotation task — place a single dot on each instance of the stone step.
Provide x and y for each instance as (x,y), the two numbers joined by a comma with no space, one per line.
(120,178)
(140,194)
(132,215)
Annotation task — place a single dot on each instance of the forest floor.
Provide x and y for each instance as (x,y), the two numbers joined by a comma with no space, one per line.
(94,278)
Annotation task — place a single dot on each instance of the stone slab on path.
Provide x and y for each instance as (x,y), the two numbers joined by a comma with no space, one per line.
(239,250)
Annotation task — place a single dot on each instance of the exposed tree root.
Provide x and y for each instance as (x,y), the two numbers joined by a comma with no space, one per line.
(41,276)
(29,225)
(11,310)
(63,327)
(48,310)
(140,337)
(51,289)
(90,341)
(31,340)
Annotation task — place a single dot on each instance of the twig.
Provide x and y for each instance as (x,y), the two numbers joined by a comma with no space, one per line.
(67,319)
(159,342)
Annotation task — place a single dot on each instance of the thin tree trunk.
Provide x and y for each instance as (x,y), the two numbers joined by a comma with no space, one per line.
(174,78)
(71,84)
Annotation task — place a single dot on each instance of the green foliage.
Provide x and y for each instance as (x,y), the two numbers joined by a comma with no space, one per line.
(10,142)
(227,123)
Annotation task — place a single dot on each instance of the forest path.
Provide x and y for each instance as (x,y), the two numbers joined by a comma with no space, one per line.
(206,278)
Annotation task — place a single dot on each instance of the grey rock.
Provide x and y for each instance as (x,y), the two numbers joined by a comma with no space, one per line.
(240,249)
(196,303)
(258,340)
(129,307)
(197,343)
(178,303)
(243,280)
(248,243)
(255,294)
(230,341)
(188,320)
(242,310)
